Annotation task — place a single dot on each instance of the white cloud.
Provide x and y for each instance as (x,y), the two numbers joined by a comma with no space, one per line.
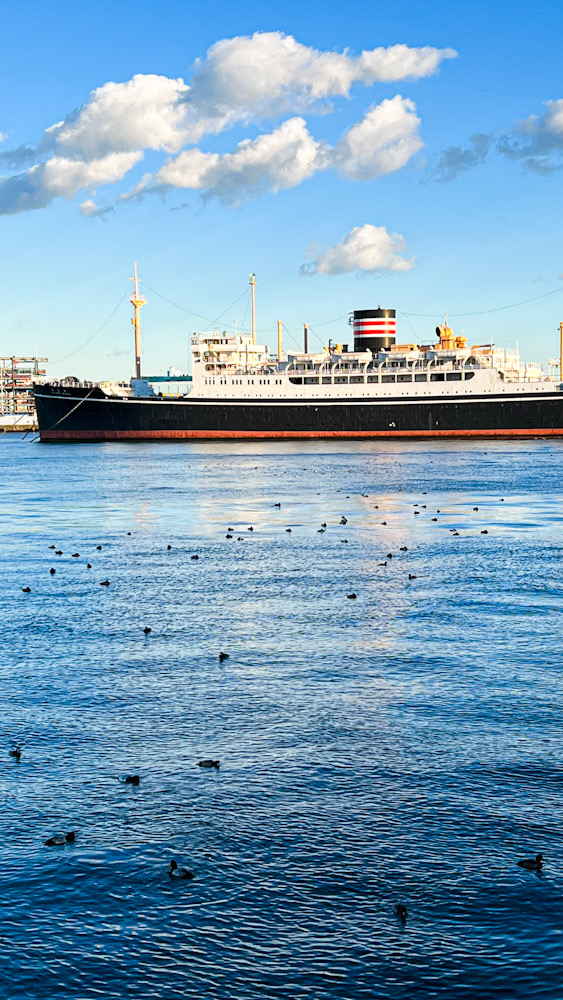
(366,248)
(381,143)
(64,177)
(268,74)
(281,159)
(240,80)
(146,112)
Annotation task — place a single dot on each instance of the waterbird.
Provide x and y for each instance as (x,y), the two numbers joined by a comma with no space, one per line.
(344,520)
(51,571)
(169,547)
(88,565)
(401,912)
(26,590)
(323,525)
(344,541)
(376,507)
(58,840)
(239,539)
(434,519)
(250,529)
(194,557)
(389,555)
(384,522)
(320,531)
(475,508)
(52,546)
(128,532)
(382,564)
(288,530)
(208,763)
(351,597)
(58,552)
(129,779)
(104,583)
(532,864)
(455,534)
(276,505)
(412,576)
(403,548)
(147,630)
(16,753)
(484,531)
(416,512)
(99,548)
(230,529)
(176,872)
(223,656)
(75,555)
(228,536)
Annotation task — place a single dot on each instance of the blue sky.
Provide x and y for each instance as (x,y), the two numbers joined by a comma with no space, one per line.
(408,177)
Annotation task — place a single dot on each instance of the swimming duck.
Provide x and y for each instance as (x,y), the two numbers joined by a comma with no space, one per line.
(475,508)
(228,536)
(194,557)
(129,779)
(532,864)
(99,548)
(382,564)
(223,656)
(434,519)
(250,529)
(351,597)
(52,546)
(147,630)
(88,565)
(288,530)
(384,522)
(176,872)
(412,576)
(389,555)
(16,753)
(484,531)
(26,590)
(401,912)
(52,571)
(58,552)
(75,555)
(403,548)
(58,840)
(208,763)
(169,547)
(104,583)
(320,531)
(277,505)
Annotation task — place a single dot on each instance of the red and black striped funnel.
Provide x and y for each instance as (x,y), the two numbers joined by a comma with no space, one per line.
(374,329)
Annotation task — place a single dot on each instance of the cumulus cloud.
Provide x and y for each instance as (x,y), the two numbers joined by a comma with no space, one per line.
(455,160)
(538,141)
(242,80)
(282,159)
(382,142)
(269,73)
(367,248)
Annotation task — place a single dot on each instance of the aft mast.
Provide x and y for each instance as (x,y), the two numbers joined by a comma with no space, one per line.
(137,301)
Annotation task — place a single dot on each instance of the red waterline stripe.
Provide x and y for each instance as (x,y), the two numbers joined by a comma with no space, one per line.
(108,435)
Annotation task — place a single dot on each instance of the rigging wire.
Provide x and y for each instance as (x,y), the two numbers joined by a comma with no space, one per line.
(86,342)
(215,321)
(178,306)
(484,312)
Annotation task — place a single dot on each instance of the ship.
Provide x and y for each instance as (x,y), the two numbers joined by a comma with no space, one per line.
(378,389)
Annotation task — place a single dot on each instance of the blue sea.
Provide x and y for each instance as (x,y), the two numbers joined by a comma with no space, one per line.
(401,746)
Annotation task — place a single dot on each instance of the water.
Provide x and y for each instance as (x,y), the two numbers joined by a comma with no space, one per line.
(404,746)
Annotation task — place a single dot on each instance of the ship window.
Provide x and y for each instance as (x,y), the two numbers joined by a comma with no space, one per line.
(356,378)
(420,378)
(404,378)
(453,376)
(437,377)
(341,378)
(372,378)
(388,378)
(469,375)
(295,381)
(326,380)
(311,381)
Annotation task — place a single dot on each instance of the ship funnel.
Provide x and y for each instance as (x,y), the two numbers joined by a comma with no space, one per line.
(374,329)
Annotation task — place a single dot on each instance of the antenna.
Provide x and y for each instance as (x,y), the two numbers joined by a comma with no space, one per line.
(137,301)
(252,287)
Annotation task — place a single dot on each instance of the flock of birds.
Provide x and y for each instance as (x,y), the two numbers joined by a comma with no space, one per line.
(62,839)
(175,871)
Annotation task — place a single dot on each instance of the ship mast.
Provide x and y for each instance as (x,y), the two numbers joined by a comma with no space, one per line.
(252,287)
(137,301)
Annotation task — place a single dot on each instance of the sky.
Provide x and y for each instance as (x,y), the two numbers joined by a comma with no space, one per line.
(351,154)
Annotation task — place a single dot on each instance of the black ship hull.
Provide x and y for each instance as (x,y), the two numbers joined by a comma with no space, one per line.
(82,414)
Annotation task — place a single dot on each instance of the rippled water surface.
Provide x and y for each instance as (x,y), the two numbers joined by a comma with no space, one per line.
(402,746)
